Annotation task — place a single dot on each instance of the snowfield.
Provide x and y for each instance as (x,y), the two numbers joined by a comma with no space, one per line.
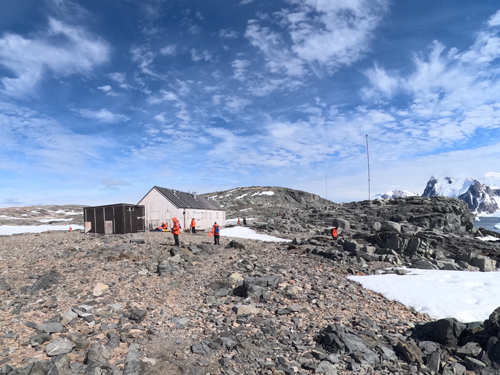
(466,296)
(244,232)
(15,229)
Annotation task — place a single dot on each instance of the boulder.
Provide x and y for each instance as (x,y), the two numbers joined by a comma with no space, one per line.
(391,226)
(59,347)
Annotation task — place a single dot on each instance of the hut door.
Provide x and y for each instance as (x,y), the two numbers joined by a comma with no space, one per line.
(108,227)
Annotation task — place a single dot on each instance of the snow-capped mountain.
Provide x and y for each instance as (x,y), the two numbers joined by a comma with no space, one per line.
(479,197)
(396,194)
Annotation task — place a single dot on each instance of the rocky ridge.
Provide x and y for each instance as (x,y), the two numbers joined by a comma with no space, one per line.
(38,215)
(134,304)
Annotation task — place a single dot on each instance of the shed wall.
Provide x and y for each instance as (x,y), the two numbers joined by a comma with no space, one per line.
(159,209)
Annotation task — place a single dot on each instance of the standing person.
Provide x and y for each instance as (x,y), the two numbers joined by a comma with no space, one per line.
(216,232)
(335,233)
(193,225)
(245,221)
(239,221)
(176,230)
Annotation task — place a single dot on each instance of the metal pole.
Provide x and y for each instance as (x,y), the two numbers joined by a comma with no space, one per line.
(368,158)
(326,179)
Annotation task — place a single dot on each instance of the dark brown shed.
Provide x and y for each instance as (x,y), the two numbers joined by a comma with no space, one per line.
(117,218)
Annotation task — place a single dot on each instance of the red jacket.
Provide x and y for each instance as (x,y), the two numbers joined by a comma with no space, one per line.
(193,223)
(176,228)
(213,230)
(334,232)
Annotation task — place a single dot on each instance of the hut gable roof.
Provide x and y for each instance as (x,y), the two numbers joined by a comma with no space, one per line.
(181,199)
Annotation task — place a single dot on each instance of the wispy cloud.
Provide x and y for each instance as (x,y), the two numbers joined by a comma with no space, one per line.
(62,49)
(168,50)
(103,115)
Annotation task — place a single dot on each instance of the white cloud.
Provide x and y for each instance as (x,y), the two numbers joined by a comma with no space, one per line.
(198,56)
(278,58)
(494,20)
(105,88)
(239,67)
(168,50)
(103,115)
(118,77)
(230,103)
(228,34)
(62,50)
(144,57)
(325,34)
(381,82)
(194,29)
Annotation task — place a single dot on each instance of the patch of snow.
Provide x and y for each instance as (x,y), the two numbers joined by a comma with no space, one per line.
(466,296)
(11,218)
(392,194)
(67,212)
(453,187)
(246,209)
(497,226)
(14,229)
(35,212)
(267,193)
(241,196)
(487,238)
(244,232)
(477,218)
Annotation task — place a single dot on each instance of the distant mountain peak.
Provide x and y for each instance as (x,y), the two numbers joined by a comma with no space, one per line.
(479,197)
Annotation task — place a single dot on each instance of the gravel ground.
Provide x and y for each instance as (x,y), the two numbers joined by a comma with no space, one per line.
(196,301)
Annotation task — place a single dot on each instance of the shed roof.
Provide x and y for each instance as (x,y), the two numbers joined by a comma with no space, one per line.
(181,199)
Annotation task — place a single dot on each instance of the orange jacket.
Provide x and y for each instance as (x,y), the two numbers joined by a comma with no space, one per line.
(334,232)
(239,221)
(193,223)
(213,230)
(176,228)
(164,225)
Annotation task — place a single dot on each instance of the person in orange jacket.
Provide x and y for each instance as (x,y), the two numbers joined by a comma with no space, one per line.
(239,221)
(176,230)
(335,233)
(164,226)
(216,233)
(193,225)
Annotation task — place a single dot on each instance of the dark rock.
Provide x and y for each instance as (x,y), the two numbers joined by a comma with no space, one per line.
(39,339)
(51,327)
(56,348)
(98,355)
(444,331)
(235,245)
(4,285)
(113,340)
(410,352)
(46,281)
(59,366)
(475,365)
(138,315)
(201,348)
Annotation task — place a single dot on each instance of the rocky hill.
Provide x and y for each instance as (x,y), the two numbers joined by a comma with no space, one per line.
(74,303)
(38,215)
(256,200)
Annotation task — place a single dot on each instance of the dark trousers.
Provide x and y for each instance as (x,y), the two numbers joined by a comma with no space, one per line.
(176,238)
(193,229)
(216,239)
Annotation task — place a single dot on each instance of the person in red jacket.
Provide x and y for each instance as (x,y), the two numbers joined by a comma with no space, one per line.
(164,226)
(216,233)
(193,225)
(239,221)
(335,233)
(176,230)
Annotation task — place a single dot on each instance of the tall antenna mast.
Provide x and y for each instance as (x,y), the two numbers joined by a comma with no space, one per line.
(368,158)
(326,180)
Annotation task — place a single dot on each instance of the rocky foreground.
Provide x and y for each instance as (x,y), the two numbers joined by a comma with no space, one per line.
(133,304)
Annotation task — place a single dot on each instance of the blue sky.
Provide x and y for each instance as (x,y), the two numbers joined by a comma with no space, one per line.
(101,100)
